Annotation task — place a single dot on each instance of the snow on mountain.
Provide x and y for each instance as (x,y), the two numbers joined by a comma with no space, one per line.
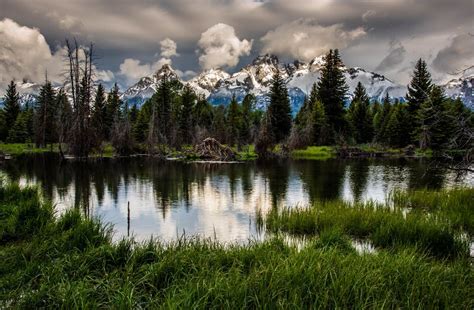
(147,86)
(207,81)
(299,78)
(462,87)
(219,86)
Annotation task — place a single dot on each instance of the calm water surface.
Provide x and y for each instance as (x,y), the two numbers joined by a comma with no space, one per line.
(169,199)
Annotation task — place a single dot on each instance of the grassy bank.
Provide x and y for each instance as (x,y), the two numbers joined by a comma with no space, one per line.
(244,153)
(435,222)
(70,261)
(24,148)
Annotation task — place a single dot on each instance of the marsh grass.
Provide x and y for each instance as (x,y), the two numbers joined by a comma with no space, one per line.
(70,262)
(405,222)
(314,152)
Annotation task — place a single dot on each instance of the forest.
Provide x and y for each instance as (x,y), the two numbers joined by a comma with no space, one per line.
(82,118)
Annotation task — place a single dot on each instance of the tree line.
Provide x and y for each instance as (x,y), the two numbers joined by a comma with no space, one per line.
(84,117)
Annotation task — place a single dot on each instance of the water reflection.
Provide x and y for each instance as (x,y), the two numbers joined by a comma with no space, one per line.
(168,199)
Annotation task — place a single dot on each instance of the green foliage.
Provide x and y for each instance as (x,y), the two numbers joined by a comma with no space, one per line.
(185,117)
(360,116)
(396,128)
(439,232)
(419,91)
(332,91)
(234,121)
(46,122)
(314,152)
(381,118)
(11,109)
(279,110)
(99,114)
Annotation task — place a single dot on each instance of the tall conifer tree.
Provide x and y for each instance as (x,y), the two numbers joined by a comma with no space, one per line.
(332,90)
(279,109)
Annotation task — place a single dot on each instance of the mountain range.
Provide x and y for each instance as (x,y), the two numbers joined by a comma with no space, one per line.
(218,86)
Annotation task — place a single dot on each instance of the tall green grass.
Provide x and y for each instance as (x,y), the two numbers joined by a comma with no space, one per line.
(432,221)
(70,262)
(455,205)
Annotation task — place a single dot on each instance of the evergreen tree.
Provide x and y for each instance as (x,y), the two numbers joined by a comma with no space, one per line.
(112,110)
(332,91)
(122,136)
(46,112)
(279,109)
(320,124)
(398,120)
(11,109)
(234,122)
(419,91)
(140,127)
(134,114)
(219,127)
(381,120)
(185,117)
(99,114)
(247,118)
(65,117)
(360,116)
(163,106)
(203,113)
(434,126)
(18,133)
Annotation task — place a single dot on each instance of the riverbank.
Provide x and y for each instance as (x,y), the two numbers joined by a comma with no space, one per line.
(244,153)
(70,261)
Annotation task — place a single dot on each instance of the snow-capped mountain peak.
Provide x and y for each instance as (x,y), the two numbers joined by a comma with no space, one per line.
(207,81)
(147,86)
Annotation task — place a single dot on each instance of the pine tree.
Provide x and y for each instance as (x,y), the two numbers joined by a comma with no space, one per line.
(163,106)
(186,122)
(99,115)
(434,126)
(320,124)
(234,121)
(360,115)
(398,120)
(332,90)
(203,113)
(279,109)
(11,108)
(112,110)
(18,133)
(381,120)
(219,123)
(65,116)
(418,92)
(140,128)
(46,112)
(247,118)
(265,139)
(122,136)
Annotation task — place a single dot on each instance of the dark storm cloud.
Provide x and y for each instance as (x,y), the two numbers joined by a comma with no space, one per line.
(133,29)
(457,56)
(394,57)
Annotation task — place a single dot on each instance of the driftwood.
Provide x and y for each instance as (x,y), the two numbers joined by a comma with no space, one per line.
(211,149)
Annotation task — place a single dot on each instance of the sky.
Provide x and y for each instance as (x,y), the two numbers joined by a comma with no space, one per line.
(135,38)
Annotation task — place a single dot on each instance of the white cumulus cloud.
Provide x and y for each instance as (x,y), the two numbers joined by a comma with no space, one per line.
(24,54)
(168,48)
(132,69)
(219,46)
(305,39)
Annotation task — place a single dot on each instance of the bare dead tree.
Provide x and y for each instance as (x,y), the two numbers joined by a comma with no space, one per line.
(80,78)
